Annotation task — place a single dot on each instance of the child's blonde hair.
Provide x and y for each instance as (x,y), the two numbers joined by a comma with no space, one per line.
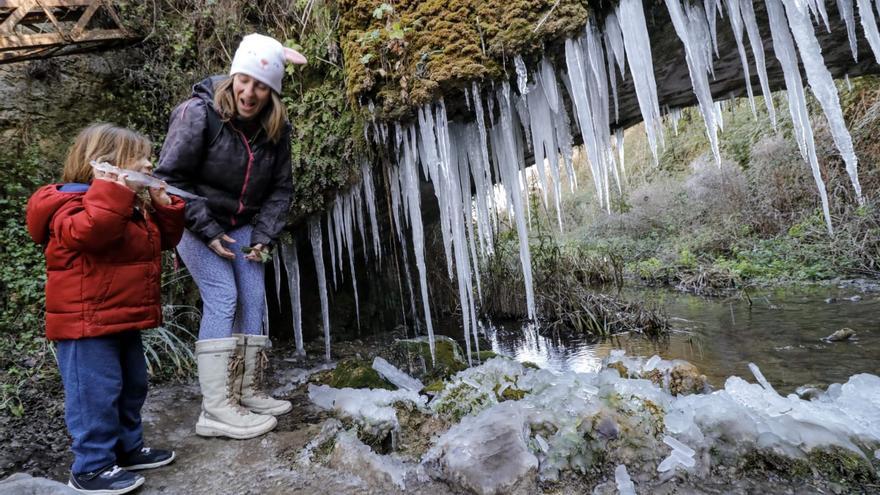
(274,118)
(104,142)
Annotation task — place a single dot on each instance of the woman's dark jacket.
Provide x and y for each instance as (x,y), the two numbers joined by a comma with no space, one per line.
(242,182)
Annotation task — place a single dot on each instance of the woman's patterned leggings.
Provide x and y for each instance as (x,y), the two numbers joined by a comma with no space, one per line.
(233,291)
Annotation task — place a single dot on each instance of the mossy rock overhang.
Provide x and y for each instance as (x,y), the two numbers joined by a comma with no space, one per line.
(406,54)
(421,51)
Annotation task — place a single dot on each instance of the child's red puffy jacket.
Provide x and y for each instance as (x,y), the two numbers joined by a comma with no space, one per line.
(102,258)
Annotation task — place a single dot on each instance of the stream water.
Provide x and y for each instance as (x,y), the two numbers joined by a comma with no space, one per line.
(780,330)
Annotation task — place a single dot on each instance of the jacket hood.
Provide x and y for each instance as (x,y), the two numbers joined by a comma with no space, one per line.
(204,89)
(43,205)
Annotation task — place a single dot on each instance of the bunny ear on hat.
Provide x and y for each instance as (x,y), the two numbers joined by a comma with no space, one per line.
(294,57)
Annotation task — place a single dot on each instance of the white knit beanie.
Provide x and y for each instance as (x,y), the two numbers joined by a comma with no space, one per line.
(263,58)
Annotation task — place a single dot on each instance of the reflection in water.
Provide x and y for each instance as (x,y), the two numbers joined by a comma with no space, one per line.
(780,331)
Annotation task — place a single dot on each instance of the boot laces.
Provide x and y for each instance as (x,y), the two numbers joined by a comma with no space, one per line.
(233,392)
(259,377)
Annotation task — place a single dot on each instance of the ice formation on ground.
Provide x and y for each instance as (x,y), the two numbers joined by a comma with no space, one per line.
(395,376)
(517,425)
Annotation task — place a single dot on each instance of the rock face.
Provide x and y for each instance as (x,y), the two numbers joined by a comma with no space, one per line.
(46,102)
(486,454)
(413,356)
(25,484)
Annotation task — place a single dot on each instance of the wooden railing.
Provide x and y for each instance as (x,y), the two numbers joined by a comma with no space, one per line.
(44,28)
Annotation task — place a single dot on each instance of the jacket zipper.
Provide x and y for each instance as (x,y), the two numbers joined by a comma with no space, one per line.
(247,174)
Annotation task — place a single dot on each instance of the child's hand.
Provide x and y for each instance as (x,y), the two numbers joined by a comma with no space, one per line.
(111,177)
(159,196)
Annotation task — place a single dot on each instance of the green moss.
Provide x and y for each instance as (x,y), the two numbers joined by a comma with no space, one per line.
(353,373)
(484,356)
(833,464)
(529,364)
(459,401)
(409,53)
(414,357)
(435,387)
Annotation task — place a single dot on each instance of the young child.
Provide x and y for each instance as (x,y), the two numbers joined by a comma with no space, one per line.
(103,239)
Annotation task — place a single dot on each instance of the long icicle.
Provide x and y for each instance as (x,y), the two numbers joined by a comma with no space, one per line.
(823,87)
(315,236)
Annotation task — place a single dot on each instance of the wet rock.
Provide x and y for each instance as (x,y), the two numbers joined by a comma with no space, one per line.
(25,484)
(841,335)
(413,356)
(831,300)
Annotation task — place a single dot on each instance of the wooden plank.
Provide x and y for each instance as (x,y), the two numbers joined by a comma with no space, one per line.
(52,18)
(84,20)
(11,4)
(52,39)
(16,16)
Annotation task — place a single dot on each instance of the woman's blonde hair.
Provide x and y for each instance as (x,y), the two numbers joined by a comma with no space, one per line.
(104,142)
(274,117)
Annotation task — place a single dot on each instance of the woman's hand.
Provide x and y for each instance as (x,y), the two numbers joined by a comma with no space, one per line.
(111,177)
(217,246)
(159,196)
(254,254)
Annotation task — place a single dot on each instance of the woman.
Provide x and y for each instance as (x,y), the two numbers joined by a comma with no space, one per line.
(230,143)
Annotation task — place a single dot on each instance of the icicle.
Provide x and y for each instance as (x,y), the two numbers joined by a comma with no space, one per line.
(736,22)
(691,27)
(348,213)
(712,18)
(276,268)
(409,174)
(845,7)
(748,16)
(547,79)
(370,198)
(291,264)
(614,41)
(618,135)
(869,24)
(823,85)
(332,246)
(783,47)
(508,160)
(318,253)
(848,82)
(820,6)
(631,15)
(522,75)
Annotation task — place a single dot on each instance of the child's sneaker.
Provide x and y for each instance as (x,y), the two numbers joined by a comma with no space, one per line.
(146,458)
(112,480)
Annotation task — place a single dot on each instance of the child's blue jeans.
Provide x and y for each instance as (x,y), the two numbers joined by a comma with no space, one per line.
(105,385)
